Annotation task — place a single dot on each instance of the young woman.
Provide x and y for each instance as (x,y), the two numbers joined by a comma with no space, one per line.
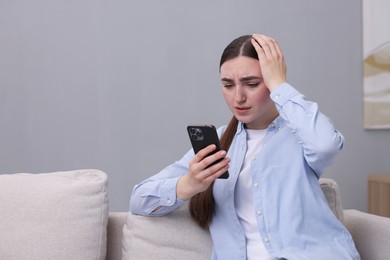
(275,147)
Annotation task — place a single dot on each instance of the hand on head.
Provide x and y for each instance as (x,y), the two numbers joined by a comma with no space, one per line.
(271,59)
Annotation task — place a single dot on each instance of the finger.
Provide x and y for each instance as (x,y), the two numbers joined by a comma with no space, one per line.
(216,170)
(203,159)
(263,41)
(275,49)
(209,160)
(204,152)
(211,164)
(203,174)
(270,45)
(216,174)
(258,48)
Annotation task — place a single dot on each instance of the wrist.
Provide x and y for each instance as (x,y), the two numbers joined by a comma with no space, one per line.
(184,190)
(274,85)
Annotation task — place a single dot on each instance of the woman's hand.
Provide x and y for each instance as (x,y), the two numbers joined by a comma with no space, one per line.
(271,60)
(200,175)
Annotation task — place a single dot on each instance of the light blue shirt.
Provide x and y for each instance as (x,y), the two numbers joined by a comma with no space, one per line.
(293,217)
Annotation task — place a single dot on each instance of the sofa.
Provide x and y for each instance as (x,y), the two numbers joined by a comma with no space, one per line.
(65,215)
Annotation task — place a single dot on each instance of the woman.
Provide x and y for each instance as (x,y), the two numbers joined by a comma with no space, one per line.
(278,145)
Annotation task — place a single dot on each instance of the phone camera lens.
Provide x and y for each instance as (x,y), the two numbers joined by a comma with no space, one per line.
(196,134)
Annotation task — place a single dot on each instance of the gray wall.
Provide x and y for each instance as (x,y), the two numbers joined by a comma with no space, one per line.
(112,84)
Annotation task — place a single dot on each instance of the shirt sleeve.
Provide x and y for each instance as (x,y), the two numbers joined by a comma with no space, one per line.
(156,196)
(316,133)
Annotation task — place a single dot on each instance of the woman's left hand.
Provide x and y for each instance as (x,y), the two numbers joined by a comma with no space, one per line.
(271,59)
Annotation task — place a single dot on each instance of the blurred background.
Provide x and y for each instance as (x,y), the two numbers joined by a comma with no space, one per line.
(112,85)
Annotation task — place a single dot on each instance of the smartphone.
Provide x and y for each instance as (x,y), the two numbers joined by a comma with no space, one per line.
(202,136)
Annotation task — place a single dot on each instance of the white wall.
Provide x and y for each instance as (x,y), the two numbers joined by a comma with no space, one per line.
(113,84)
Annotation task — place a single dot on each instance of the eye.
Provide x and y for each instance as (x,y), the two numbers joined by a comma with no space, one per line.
(228,86)
(253,85)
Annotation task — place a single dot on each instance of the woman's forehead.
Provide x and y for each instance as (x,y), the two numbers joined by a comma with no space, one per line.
(240,67)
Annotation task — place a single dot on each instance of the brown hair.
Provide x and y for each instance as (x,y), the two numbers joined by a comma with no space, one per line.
(201,205)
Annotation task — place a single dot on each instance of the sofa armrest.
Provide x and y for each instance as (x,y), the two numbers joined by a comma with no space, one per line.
(371,234)
(116,221)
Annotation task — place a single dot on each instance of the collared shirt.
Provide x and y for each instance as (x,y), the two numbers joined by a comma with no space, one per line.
(293,217)
(243,199)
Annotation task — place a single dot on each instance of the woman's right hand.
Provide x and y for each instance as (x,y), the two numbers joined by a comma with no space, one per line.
(200,175)
(271,60)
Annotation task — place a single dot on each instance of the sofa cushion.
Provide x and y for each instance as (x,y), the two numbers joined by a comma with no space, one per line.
(332,194)
(61,215)
(174,236)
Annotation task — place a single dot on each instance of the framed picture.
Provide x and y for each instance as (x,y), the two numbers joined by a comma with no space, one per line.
(376,54)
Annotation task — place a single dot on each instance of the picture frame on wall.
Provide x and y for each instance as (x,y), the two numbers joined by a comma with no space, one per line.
(376,65)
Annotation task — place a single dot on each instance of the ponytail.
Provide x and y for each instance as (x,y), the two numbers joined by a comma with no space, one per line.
(201,205)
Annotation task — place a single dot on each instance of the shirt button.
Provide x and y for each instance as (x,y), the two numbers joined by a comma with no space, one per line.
(259,212)
(266,239)
(256,184)
(253,158)
(169,202)
(277,97)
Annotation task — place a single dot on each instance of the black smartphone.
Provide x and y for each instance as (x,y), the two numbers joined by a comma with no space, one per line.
(202,136)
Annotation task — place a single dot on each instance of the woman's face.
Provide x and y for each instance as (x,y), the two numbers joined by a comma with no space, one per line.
(245,93)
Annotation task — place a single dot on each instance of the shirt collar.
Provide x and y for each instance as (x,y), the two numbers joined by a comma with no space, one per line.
(275,125)
(240,128)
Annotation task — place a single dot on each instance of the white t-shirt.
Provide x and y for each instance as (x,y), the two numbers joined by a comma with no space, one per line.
(244,200)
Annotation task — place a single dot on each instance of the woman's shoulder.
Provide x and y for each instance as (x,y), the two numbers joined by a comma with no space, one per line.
(221,130)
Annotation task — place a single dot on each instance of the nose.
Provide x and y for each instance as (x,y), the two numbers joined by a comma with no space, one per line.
(239,94)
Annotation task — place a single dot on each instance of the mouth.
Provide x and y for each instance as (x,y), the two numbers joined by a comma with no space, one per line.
(242,110)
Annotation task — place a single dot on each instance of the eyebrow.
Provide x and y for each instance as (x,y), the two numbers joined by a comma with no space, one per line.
(243,79)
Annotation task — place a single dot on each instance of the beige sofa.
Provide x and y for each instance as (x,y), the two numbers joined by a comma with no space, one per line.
(64,215)
(371,234)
